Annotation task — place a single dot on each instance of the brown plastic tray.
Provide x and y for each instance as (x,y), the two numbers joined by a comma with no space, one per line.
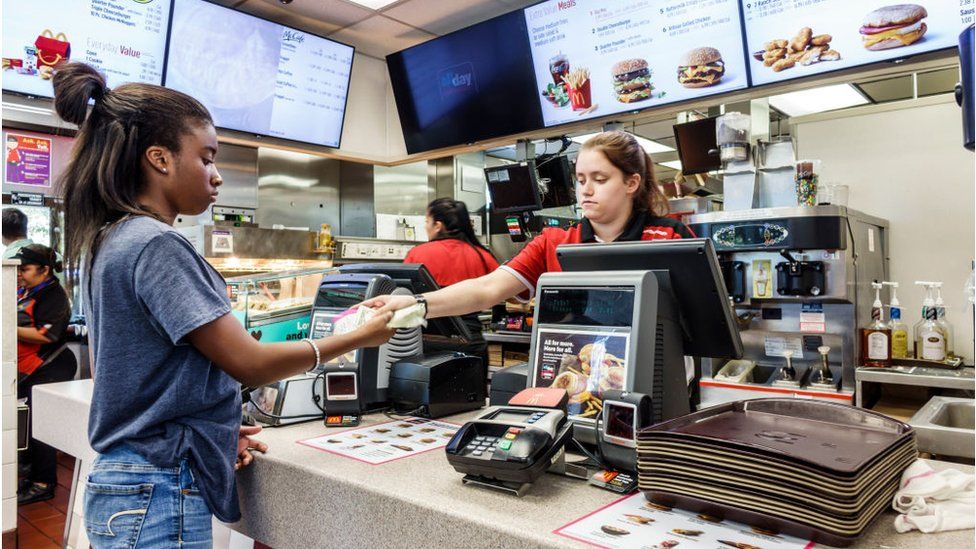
(831,438)
(743,463)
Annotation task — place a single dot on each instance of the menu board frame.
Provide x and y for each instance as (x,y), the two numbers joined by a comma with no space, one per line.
(841,71)
(79,48)
(659,104)
(352,64)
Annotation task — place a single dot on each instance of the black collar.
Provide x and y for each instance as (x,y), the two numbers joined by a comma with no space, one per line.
(632,232)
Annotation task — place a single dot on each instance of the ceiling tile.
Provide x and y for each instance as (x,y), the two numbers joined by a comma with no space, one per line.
(379,36)
(441,17)
(517,4)
(335,13)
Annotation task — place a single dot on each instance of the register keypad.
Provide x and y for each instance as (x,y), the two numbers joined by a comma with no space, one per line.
(480,446)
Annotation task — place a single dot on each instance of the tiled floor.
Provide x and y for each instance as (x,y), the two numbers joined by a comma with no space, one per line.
(41,525)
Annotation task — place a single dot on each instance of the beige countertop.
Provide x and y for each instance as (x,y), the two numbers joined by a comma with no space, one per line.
(296,496)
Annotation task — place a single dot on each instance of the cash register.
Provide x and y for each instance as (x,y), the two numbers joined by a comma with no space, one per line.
(622,316)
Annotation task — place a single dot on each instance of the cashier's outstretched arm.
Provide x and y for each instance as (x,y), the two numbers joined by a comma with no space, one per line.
(225,342)
(468,296)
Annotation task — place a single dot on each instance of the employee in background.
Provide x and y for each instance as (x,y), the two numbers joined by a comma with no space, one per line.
(621,201)
(168,356)
(454,254)
(14,232)
(43,311)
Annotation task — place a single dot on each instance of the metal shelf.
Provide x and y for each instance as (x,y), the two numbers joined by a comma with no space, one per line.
(507,337)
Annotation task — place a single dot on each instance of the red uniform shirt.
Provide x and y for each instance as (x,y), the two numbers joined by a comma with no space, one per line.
(450,260)
(539,256)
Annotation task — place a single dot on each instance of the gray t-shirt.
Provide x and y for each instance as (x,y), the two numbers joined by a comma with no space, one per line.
(153,391)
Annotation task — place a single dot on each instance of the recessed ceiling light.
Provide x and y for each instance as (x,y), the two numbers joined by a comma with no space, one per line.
(673,164)
(827,98)
(652,147)
(374,4)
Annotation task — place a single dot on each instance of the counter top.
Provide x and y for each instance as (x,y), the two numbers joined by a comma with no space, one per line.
(297,496)
(421,502)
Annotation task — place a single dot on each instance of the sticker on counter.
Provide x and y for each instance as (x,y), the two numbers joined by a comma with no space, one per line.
(812,319)
(222,242)
(635,523)
(386,442)
(762,281)
(775,346)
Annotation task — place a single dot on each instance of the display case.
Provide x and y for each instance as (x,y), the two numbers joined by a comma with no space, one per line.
(275,307)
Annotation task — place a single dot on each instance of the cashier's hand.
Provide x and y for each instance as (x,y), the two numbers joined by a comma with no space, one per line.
(389,303)
(374,333)
(246,445)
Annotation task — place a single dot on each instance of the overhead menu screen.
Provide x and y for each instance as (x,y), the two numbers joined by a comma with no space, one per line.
(790,39)
(596,58)
(124,39)
(258,76)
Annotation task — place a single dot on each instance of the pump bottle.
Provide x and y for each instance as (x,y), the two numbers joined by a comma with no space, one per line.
(876,337)
(899,330)
(929,337)
(940,312)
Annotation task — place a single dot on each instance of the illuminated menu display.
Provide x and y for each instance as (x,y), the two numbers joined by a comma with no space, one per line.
(258,76)
(595,58)
(790,39)
(124,39)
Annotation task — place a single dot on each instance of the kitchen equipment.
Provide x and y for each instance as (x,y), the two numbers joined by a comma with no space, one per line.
(818,297)
(732,131)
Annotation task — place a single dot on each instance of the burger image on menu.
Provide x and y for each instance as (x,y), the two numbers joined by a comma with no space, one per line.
(632,80)
(701,67)
(893,26)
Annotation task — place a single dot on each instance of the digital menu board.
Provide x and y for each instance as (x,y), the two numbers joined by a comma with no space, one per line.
(790,39)
(595,58)
(124,39)
(258,76)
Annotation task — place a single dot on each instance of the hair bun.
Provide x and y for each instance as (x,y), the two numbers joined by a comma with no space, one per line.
(75,84)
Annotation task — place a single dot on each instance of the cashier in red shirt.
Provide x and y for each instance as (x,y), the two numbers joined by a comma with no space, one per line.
(621,201)
(453,252)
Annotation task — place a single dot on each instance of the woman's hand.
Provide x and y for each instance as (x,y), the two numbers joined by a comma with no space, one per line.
(389,303)
(374,333)
(246,444)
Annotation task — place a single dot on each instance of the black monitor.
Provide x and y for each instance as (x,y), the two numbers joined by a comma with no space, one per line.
(557,181)
(696,281)
(417,280)
(697,146)
(514,188)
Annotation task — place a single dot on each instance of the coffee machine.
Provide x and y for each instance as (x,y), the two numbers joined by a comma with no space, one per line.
(800,281)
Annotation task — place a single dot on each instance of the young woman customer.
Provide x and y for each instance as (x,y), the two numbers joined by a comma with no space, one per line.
(621,201)
(43,311)
(454,254)
(168,356)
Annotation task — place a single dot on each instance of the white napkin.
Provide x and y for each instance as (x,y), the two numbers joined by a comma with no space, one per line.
(408,317)
(935,501)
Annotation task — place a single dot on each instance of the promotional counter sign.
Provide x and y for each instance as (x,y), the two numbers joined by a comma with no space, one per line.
(388,441)
(634,523)
(583,361)
(595,58)
(28,160)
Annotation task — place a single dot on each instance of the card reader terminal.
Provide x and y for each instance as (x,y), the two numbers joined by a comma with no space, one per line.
(510,443)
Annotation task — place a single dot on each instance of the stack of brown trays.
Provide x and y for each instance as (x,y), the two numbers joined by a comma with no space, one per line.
(815,470)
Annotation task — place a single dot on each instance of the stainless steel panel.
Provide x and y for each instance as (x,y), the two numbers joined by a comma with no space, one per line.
(357,216)
(401,190)
(238,167)
(297,190)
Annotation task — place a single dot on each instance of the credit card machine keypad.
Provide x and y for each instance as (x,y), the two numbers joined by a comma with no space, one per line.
(509,443)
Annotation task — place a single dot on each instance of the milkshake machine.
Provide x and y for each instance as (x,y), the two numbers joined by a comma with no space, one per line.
(800,280)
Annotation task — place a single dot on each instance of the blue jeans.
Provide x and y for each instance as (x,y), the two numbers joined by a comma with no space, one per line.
(130,502)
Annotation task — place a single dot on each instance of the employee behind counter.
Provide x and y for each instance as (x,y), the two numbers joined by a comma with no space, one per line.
(621,201)
(454,254)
